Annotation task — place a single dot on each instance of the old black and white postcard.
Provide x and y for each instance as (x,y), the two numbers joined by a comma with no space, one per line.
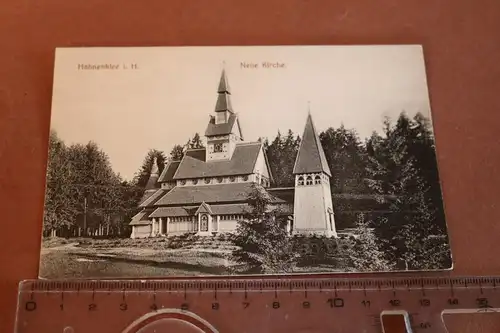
(198,161)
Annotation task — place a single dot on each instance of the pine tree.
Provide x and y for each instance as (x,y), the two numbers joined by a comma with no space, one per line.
(281,154)
(346,159)
(58,210)
(196,142)
(177,153)
(82,189)
(262,240)
(142,176)
(364,252)
(396,174)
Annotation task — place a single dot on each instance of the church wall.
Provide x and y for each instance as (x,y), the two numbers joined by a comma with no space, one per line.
(228,225)
(224,155)
(141,231)
(181,227)
(328,202)
(309,208)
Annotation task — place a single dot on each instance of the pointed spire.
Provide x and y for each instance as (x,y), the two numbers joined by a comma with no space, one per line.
(224,91)
(154,175)
(311,157)
(224,83)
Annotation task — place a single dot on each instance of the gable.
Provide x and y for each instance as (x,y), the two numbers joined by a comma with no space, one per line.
(237,129)
(261,165)
(204,208)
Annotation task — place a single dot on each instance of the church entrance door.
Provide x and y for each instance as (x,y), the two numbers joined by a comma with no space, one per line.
(204,223)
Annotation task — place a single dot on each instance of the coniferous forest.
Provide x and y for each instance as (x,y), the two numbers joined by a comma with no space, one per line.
(386,185)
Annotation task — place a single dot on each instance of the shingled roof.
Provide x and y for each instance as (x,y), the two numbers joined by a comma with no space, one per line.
(223,103)
(223,99)
(167,175)
(214,129)
(173,211)
(152,198)
(141,218)
(230,209)
(189,195)
(194,165)
(311,157)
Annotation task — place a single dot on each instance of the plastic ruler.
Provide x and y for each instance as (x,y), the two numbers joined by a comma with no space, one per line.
(274,305)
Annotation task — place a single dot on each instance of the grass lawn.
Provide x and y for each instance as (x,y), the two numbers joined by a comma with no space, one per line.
(84,258)
(76,262)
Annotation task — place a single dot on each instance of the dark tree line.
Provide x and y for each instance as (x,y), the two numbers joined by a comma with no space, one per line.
(85,197)
(389,179)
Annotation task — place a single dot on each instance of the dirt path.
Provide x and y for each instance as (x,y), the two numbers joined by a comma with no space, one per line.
(65,247)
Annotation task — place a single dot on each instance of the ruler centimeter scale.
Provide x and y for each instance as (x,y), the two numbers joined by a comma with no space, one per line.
(382,305)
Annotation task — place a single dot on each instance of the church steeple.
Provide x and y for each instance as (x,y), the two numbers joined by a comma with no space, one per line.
(224,95)
(223,131)
(311,157)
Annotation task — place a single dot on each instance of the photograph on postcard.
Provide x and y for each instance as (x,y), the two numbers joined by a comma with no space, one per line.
(205,161)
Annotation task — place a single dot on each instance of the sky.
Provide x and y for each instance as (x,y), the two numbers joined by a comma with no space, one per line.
(160,96)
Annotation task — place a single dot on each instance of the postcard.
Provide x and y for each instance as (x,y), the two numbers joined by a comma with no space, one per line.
(252,160)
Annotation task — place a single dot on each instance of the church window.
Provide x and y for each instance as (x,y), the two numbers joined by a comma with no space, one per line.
(207,180)
(309,180)
(204,223)
(195,181)
(218,148)
(245,178)
(317,180)
(232,179)
(219,180)
(300,181)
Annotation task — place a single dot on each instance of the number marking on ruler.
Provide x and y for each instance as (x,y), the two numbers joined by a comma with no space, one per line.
(287,305)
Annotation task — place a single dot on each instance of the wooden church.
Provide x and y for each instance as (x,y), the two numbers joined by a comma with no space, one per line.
(207,191)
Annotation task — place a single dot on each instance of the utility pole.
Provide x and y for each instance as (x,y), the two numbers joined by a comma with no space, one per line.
(85,215)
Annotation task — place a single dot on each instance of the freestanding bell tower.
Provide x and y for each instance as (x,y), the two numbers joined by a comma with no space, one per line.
(313,208)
